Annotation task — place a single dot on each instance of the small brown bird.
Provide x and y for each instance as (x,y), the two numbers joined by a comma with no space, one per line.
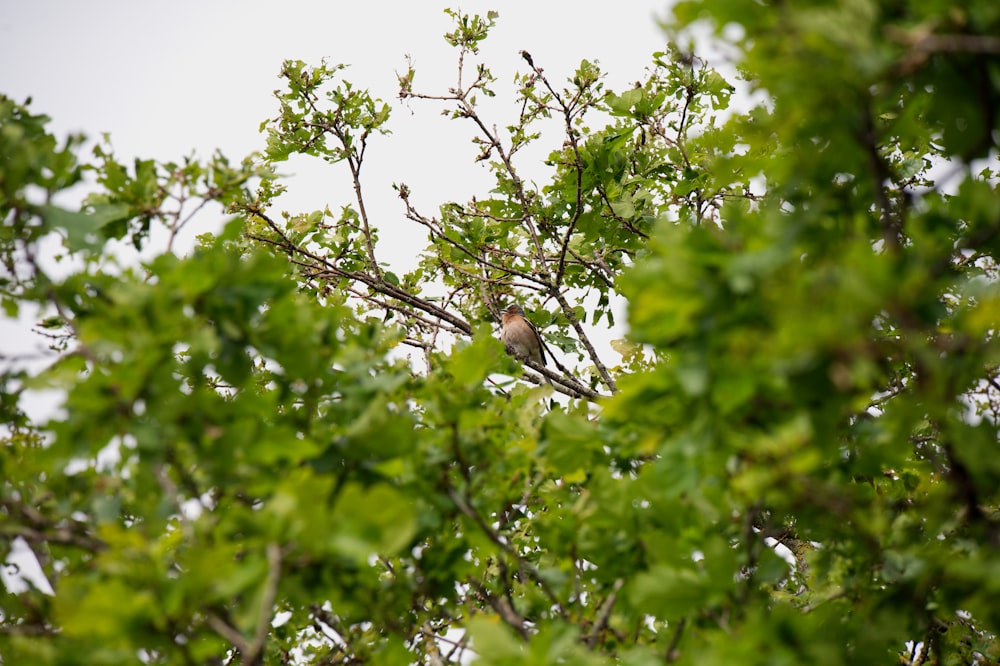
(520,336)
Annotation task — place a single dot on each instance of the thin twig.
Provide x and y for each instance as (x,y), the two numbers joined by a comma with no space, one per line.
(251,651)
(604,614)
(672,653)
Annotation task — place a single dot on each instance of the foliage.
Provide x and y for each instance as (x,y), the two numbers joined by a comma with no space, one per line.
(791,459)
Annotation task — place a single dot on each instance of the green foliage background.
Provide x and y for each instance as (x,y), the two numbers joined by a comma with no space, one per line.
(812,360)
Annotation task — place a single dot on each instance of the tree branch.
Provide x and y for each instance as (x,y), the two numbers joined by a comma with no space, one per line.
(252,650)
(523,564)
(602,617)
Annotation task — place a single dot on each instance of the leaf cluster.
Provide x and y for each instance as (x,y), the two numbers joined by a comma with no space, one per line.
(793,461)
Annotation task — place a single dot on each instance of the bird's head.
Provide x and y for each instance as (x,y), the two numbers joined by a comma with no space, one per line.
(514,309)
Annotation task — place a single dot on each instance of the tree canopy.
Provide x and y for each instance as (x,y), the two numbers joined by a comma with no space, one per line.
(281,449)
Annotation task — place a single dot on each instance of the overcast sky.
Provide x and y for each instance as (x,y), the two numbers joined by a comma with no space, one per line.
(163,76)
(167,78)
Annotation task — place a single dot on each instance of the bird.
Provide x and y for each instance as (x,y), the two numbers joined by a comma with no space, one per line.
(519,335)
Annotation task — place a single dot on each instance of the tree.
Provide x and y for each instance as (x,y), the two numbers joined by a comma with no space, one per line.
(247,468)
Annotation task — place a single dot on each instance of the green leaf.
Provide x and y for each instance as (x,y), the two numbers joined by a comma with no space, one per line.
(471,363)
(568,444)
(494,642)
(668,592)
(624,207)
(369,521)
(82,228)
(63,373)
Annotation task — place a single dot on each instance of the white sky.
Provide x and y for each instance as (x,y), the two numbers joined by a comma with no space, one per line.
(167,78)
